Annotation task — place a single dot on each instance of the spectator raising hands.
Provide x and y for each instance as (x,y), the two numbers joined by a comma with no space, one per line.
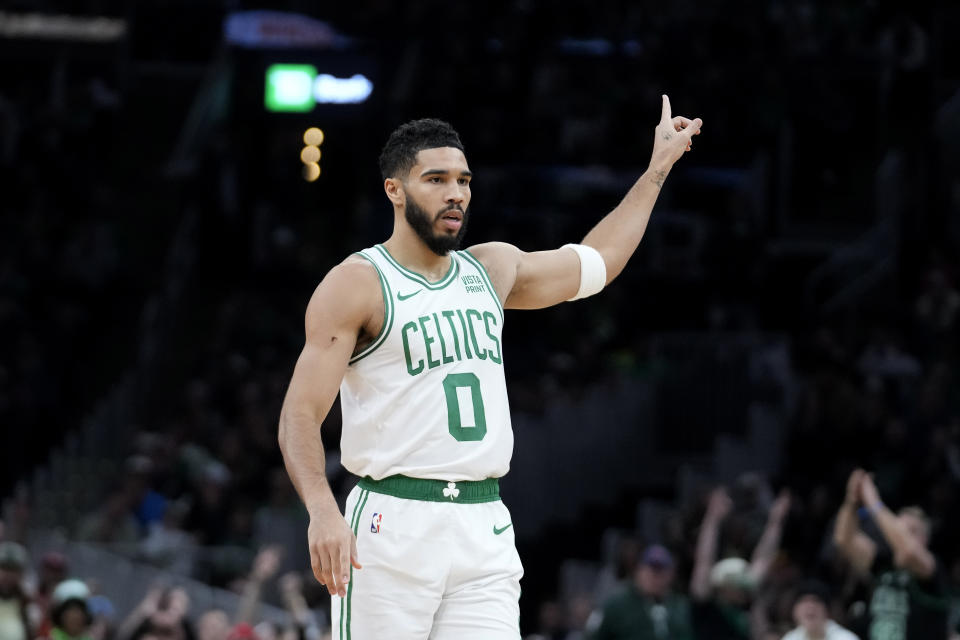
(723,592)
(909,591)
(265,567)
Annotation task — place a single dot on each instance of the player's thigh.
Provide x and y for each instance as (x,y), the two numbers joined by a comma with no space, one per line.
(491,613)
(482,599)
(392,610)
(398,590)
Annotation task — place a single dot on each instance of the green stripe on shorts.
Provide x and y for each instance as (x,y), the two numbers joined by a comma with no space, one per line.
(356,524)
(353,527)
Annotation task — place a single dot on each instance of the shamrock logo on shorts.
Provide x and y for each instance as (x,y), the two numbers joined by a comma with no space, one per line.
(451,491)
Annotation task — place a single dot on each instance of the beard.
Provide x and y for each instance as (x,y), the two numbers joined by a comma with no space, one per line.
(423,225)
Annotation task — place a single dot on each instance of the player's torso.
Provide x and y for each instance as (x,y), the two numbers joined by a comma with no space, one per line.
(427,397)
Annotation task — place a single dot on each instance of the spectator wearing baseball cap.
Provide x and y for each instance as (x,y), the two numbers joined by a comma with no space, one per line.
(70,612)
(14,623)
(811,613)
(647,609)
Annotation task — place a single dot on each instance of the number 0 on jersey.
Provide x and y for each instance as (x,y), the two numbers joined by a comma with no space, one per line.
(465,416)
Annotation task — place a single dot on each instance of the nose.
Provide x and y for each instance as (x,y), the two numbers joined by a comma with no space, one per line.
(456,195)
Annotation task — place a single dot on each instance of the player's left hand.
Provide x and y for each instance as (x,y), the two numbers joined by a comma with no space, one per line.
(672,137)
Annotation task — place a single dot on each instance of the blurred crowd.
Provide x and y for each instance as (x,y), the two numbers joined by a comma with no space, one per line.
(43,599)
(735,575)
(861,540)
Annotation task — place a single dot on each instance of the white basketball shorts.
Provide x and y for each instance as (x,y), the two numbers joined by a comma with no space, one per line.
(439,562)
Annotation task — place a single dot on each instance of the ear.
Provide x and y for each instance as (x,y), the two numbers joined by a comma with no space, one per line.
(394,189)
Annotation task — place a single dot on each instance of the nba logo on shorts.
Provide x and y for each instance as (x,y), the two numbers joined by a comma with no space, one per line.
(375,523)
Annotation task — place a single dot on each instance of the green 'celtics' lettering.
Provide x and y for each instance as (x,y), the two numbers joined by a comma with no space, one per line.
(481,353)
(406,350)
(466,423)
(475,336)
(427,341)
(453,330)
(487,317)
(466,340)
(443,345)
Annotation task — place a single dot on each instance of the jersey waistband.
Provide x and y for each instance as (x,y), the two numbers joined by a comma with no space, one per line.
(463,492)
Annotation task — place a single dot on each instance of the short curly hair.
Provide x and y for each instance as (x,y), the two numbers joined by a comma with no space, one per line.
(400,152)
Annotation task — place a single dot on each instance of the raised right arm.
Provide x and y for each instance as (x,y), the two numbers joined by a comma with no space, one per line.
(342,305)
(718,507)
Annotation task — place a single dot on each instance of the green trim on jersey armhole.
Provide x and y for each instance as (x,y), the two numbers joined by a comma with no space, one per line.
(486,276)
(387,313)
(449,277)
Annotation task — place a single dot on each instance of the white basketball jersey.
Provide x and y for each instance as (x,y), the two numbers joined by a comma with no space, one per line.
(427,398)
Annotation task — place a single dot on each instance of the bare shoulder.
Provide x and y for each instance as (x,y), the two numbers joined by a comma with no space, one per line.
(501,260)
(491,254)
(356,267)
(349,294)
(353,278)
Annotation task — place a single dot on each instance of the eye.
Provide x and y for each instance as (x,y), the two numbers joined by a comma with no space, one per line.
(435,179)
(464,181)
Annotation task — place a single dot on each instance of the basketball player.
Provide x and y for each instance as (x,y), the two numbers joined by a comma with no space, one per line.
(409,331)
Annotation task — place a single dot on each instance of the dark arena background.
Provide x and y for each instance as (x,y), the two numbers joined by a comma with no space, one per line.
(792,313)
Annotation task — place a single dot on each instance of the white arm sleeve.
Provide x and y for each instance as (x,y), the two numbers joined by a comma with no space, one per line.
(593,270)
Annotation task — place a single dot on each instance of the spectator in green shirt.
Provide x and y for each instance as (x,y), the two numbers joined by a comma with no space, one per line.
(70,612)
(647,609)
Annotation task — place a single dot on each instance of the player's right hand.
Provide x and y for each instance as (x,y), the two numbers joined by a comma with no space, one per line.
(333,548)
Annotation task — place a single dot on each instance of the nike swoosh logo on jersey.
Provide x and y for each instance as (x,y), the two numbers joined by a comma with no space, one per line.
(402,297)
(497,531)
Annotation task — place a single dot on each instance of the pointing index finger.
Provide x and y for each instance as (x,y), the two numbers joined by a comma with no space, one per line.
(665,113)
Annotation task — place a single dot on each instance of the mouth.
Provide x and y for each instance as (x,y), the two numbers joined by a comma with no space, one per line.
(452,219)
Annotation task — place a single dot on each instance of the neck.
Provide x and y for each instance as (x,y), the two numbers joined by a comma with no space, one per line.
(817,633)
(409,250)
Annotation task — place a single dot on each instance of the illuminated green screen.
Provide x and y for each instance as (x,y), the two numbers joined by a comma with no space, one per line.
(290,87)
